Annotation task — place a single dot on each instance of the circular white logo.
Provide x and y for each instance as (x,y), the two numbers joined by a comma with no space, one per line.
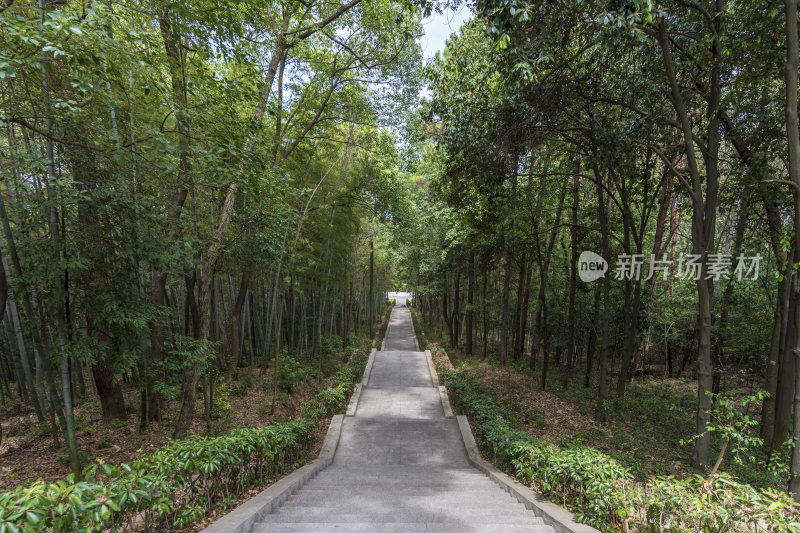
(591,266)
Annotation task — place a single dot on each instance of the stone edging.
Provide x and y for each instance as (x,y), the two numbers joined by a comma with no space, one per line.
(367,370)
(432,369)
(353,404)
(561,520)
(242,518)
(386,333)
(443,397)
(413,333)
(446,407)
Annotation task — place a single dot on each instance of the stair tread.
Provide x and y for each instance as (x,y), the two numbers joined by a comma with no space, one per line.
(414,527)
(404,516)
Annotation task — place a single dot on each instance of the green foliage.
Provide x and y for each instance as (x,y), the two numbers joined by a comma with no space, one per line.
(328,346)
(222,394)
(326,402)
(603,493)
(170,488)
(290,372)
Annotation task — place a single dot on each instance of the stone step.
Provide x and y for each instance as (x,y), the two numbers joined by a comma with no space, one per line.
(406,487)
(400,402)
(400,369)
(421,472)
(362,506)
(420,486)
(400,442)
(387,499)
(368,527)
(493,515)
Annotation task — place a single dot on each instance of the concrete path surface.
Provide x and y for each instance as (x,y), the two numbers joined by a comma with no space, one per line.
(400,465)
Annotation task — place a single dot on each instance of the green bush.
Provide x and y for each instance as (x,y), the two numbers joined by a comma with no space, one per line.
(170,488)
(603,493)
(328,401)
(289,372)
(328,346)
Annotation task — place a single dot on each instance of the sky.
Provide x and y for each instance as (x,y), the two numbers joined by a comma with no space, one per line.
(438,28)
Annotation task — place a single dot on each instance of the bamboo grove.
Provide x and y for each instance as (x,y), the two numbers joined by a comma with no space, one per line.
(627,129)
(190,188)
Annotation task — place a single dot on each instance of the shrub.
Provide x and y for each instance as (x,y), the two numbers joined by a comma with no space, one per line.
(603,493)
(328,401)
(222,395)
(289,373)
(172,487)
(327,347)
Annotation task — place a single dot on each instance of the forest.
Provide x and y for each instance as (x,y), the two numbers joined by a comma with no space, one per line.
(594,204)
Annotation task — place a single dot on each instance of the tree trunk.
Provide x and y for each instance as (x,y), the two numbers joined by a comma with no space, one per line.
(66,417)
(573,278)
(485,329)
(526,297)
(371,316)
(724,304)
(454,318)
(24,362)
(504,316)
(704,205)
(519,323)
(112,401)
(445,309)
(602,211)
(470,303)
(237,316)
(793,140)
(774,359)
(540,336)
(158,283)
(590,345)
(192,377)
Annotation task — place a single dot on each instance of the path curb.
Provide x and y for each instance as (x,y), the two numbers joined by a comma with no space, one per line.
(432,369)
(561,520)
(443,396)
(242,518)
(413,333)
(446,407)
(367,369)
(386,333)
(352,406)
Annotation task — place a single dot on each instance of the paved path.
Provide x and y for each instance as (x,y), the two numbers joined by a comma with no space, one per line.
(401,466)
